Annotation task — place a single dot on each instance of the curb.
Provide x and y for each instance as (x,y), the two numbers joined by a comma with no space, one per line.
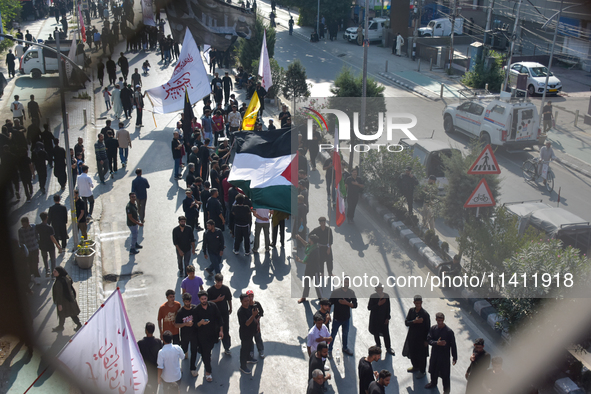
(576,168)
(480,306)
(409,87)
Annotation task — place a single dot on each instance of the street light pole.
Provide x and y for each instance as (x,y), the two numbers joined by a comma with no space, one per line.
(61,74)
(551,56)
(364,84)
(318,20)
(453,27)
(513,37)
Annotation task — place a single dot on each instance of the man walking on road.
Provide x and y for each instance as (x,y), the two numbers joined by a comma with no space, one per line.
(477,371)
(242,222)
(379,318)
(186,321)
(81,214)
(59,163)
(140,186)
(167,315)
(213,243)
(443,342)
(258,339)
(111,70)
(248,327)
(10,59)
(547,117)
(184,242)
(343,299)
(215,210)
(58,219)
(47,239)
(399,44)
(27,236)
(133,223)
(138,98)
(112,146)
(355,185)
(85,186)
(124,66)
(379,386)
(176,146)
(365,370)
(169,363)
(324,234)
(149,348)
(228,85)
(209,327)
(136,78)
(415,346)
(102,160)
(34,111)
(222,296)
(261,223)
(124,140)
(18,111)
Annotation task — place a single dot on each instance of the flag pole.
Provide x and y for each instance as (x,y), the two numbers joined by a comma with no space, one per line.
(38,377)
(153,117)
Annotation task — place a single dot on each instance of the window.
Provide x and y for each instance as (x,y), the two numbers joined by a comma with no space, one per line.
(476,109)
(31,55)
(438,26)
(498,109)
(464,107)
(373,26)
(527,114)
(516,67)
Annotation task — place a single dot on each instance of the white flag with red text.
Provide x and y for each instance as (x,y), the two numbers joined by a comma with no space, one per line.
(264,65)
(104,354)
(189,73)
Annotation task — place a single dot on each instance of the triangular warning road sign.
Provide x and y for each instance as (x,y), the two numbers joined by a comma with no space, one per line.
(481,196)
(485,164)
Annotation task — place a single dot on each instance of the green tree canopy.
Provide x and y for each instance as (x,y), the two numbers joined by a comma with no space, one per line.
(250,50)
(493,75)
(295,81)
(11,11)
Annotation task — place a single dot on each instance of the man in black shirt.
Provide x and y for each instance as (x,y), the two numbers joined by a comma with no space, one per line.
(112,146)
(204,158)
(261,92)
(222,297)
(379,317)
(215,210)
(415,346)
(318,359)
(324,311)
(209,324)
(149,347)
(355,185)
(329,176)
(58,219)
(133,222)
(124,65)
(205,195)
(324,234)
(242,221)
(315,384)
(248,326)
(476,372)
(81,213)
(213,244)
(34,111)
(228,85)
(186,320)
(46,241)
(59,163)
(443,342)
(105,130)
(184,242)
(175,146)
(379,387)
(343,299)
(191,208)
(365,370)
(215,176)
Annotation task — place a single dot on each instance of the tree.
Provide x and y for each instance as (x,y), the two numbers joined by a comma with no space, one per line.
(250,50)
(11,11)
(461,185)
(277,74)
(348,85)
(493,75)
(295,81)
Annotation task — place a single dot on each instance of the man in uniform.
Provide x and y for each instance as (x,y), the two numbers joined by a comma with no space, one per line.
(443,341)
(416,347)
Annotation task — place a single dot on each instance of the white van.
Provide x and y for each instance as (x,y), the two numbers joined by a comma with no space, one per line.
(376,30)
(504,122)
(441,27)
(38,60)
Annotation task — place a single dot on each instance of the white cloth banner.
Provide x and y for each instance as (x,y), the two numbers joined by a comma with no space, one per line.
(264,65)
(71,56)
(190,73)
(104,353)
(148,13)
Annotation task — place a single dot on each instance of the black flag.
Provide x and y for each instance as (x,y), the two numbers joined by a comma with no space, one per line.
(188,115)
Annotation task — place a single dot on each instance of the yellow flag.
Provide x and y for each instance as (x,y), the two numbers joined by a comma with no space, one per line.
(250,116)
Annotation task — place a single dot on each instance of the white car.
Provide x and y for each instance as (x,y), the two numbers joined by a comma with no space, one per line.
(536,78)
(376,30)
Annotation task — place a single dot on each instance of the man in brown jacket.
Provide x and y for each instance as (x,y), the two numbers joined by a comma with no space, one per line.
(124,143)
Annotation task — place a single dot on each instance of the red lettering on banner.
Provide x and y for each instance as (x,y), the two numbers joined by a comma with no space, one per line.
(181,65)
(176,88)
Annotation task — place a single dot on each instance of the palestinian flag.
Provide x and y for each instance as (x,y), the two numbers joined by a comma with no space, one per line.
(339,182)
(265,168)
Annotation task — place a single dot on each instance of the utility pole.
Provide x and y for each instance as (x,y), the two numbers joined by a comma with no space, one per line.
(417,16)
(488,27)
(364,88)
(61,73)
(513,37)
(453,26)
(318,20)
(551,57)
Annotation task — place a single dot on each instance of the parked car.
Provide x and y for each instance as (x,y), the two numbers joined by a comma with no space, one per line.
(507,122)
(430,153)
(536,78)
(442,27)
(376,30)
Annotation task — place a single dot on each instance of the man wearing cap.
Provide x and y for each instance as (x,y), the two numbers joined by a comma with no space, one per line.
(209,325)
(317,334)
(477,371)
(257,336)
(443,342)
(325,239)
(379,317)
(407,185)
(415,346)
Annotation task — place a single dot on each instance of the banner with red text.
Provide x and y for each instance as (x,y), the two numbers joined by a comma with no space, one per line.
(148,13)
(190,73)
(104,354)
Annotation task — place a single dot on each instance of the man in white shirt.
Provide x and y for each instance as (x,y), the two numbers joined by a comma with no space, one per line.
(124,140)
(85,188)
(18,110)
(169,361)
(546,155)
(318,333)
(234,119)
(261,223)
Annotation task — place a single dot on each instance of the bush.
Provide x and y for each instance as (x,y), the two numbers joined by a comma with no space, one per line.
(250,50)
(480,76)
(295,81)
